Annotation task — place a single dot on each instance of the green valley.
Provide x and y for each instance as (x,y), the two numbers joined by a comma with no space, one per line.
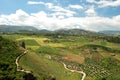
(98,58)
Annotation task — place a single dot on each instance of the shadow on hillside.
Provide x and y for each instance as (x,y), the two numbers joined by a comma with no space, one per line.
(29,76)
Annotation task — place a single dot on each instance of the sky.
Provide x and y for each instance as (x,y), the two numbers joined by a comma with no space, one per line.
(93,15)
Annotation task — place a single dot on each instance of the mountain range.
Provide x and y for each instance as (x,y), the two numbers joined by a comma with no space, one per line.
(110,32)
(13,28)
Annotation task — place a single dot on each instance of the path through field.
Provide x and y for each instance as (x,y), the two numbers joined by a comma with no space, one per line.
(19,68)
(84,75)
(17,63)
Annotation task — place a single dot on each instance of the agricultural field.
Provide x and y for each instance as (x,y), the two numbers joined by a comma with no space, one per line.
(97,58)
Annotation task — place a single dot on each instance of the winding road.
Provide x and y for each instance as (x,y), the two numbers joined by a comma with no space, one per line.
(17,63)
(84,75)
(26,71)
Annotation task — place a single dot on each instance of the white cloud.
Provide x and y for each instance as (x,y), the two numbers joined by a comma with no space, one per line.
(43,21)
(91,1)
(91,11)
(109,3)
(33,2)
(56,9)
(40,14)
(105,3)
(58,14)
(18,18)
(75,6)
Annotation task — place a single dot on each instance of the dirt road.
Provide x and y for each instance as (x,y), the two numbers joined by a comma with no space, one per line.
(81,72)
(19,68)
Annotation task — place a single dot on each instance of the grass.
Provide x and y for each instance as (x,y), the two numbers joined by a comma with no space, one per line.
(33,48)
(30,42)
(94,47)
(39,41)
(43,66)
(13,37)
(117,56)
(47,50)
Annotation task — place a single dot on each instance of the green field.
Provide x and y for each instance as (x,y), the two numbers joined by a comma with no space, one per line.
(98,58)
(42,66)
(30,42)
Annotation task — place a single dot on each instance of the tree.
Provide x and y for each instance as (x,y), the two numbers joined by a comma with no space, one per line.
(23,44)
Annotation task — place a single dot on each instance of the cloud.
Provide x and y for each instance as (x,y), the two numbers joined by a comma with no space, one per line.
(34,3)
(105,3)
(90,11)
(57,10)
(61,14)
(42,20)
(91,1)
(109,3)
(17,19)
(75,6)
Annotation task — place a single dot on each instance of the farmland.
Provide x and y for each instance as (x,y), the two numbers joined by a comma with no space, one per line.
(98,58)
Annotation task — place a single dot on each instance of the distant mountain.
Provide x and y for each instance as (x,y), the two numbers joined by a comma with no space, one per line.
(44,31)
(110,32)
(27,29)
(75,32)
(10,28)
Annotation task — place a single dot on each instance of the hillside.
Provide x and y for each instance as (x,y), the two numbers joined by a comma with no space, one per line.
(103,59)
(74,32)
(9,51)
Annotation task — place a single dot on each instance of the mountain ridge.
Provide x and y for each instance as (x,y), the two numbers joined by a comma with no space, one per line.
(117,32)
(13,28)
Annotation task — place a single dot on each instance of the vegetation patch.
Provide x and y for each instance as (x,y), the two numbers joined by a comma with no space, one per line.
(9,51)
(47,50)
(94,47)
(31,42)
(107,68)
(72,57)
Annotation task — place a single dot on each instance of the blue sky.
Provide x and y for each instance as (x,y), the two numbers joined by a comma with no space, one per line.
(92,15)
